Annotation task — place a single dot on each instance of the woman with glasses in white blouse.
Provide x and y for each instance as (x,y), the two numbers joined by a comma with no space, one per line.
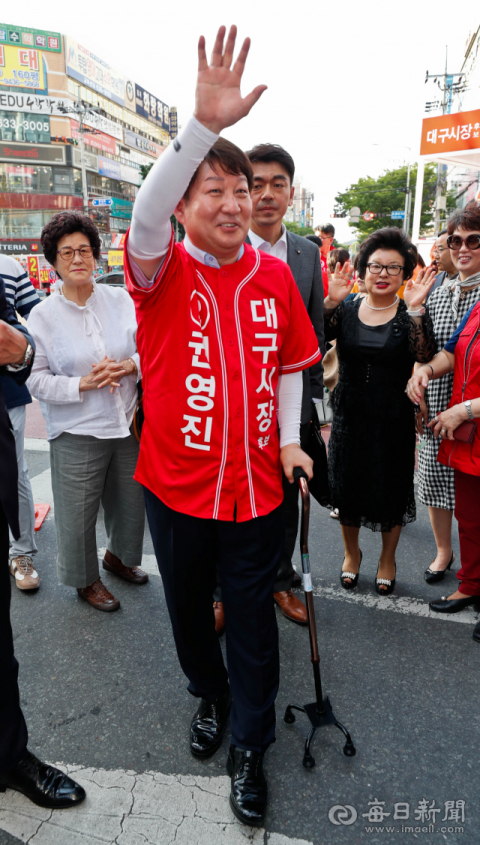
(85,378)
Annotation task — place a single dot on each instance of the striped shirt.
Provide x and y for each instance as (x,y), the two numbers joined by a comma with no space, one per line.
(22,296)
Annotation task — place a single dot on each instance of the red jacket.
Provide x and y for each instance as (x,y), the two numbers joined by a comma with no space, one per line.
(466,385)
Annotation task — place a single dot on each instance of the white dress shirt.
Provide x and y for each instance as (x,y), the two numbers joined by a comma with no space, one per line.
(278,250)
(70,338)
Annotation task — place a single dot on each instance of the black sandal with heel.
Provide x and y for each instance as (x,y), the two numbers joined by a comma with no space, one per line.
(385,582)
(352,578)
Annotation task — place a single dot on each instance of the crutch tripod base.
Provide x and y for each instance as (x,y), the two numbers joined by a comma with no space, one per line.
(320,711)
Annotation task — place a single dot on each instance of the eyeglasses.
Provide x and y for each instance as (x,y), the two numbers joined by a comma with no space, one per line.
(67,252)
(455,242)
(440,249)
(392,269)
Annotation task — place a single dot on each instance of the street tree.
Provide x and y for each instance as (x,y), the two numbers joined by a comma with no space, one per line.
(386,194)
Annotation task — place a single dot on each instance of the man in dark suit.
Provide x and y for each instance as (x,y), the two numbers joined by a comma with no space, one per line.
(19,769)
(273,173)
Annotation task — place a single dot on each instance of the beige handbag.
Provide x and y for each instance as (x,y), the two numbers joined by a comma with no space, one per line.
(330,368)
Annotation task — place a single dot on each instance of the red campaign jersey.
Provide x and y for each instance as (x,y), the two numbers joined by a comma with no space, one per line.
(212,344)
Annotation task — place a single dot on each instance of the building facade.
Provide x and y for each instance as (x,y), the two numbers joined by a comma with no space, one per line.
(49,86)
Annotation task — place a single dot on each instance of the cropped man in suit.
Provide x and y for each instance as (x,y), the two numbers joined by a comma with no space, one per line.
(19,769)
(273,173)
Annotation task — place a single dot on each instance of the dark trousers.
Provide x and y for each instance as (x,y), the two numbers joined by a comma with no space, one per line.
(188,551)
(467,512)
(13,730)
(291,493)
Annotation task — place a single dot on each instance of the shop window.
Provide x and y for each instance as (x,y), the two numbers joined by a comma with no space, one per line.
(19,126)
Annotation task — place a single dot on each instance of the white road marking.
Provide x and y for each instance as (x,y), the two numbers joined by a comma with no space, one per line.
(124,808)
(36,444)
(42,492)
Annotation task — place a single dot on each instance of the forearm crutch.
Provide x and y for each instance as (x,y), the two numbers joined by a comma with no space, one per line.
(320,711)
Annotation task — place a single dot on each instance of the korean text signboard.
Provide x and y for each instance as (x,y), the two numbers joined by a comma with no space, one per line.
(93,72)
(140,143)
(98,141)
(451,133)
(152,109)
(21,67)
(27,37)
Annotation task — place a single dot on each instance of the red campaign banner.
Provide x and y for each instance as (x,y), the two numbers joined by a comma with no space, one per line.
(451,133)
(97,140)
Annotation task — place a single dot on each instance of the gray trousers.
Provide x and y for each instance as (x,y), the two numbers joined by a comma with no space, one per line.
(87,471)
(25,545)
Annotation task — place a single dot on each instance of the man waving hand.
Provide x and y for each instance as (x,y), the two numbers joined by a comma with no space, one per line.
(223,336)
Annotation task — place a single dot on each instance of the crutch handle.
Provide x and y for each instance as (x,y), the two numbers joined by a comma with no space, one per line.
(299,472)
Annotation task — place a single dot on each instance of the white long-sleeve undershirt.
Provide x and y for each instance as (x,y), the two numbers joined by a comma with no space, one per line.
(150,235)
(163,189)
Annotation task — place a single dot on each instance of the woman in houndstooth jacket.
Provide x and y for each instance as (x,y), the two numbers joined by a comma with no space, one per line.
(447,306)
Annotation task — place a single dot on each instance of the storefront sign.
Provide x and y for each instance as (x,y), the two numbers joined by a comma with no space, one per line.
(97,140)
(129,95)
(36,153)
(116,170)
(451,133)
(74,159)
(143,144)
(173,122)
(115,258)
(28,37)
(20,247)
(34,128)
(93,72)
(21,68)
(151,108)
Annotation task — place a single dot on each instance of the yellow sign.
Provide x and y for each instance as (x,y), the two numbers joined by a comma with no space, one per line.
(115,258)
(21,67)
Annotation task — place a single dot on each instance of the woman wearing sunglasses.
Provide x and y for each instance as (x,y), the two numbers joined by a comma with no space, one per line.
(85,377)
(456,427)
(447,307)
(372,444)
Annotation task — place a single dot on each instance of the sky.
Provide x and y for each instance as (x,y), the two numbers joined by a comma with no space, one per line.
(346,80)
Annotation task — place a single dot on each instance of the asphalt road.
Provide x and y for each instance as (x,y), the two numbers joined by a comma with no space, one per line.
(105,692)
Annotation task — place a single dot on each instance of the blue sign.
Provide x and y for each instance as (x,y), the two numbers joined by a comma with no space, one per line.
(151,108)
(109,168)
(397,215)
(103,201)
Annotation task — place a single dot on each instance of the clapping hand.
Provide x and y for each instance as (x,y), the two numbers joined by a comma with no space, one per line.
(340,283)
(416,291)
(218,101)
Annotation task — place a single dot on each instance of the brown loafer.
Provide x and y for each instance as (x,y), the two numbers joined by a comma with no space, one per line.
(129,573)
(99,597)
(219,617)
(291,607)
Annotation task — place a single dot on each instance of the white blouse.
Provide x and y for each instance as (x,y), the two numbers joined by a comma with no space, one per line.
(70,338)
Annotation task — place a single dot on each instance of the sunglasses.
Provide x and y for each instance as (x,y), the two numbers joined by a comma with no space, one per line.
(454,242)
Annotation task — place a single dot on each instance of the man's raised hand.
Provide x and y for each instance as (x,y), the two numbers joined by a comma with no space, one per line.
(218,101)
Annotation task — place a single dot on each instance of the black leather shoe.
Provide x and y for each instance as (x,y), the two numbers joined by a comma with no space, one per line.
(349,580)
(44,785)
(445,605)
(208,725)
(433,576)
(385,586)
(476,632)
(249,792)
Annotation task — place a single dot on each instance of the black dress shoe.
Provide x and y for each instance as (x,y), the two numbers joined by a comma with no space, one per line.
(476,632)
(44,785)
(385,586)
(433,576)
(208,725)
(249,792)
(445,605)
(351,577)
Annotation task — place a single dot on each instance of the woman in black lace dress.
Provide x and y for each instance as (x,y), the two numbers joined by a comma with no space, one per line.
(372,444)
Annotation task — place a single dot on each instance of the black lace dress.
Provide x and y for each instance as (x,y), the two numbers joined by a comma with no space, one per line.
(371,452)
